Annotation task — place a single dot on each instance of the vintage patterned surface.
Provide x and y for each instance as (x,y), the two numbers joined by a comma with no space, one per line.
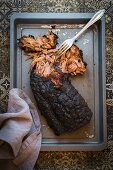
(62,160)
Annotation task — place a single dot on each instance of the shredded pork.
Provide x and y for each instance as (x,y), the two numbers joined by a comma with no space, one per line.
(44,61)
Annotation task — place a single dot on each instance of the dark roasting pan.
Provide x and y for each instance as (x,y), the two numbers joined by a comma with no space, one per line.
(91,86)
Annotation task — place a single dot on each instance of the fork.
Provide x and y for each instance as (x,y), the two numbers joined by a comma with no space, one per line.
(69,42)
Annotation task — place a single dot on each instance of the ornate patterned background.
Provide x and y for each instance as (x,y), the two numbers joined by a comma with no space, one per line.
(62,160)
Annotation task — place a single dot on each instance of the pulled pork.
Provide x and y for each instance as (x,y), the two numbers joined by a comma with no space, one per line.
(42,51)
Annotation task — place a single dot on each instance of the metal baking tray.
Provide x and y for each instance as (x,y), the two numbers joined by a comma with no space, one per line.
(91,85)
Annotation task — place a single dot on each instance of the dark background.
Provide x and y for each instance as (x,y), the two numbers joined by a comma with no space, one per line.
(62,160)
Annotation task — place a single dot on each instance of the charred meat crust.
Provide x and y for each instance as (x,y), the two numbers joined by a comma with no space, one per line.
(64,108)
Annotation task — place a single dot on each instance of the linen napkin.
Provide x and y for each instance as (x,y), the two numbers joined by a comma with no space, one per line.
(20,136)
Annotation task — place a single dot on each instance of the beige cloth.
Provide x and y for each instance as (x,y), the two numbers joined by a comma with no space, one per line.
(20,136)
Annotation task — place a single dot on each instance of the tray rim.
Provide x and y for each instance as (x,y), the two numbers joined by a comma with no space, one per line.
(84,16)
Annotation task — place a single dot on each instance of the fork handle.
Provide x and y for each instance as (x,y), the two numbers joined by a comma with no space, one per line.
(95,18)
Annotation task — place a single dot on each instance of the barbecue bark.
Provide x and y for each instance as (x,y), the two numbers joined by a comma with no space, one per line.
(63,107)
